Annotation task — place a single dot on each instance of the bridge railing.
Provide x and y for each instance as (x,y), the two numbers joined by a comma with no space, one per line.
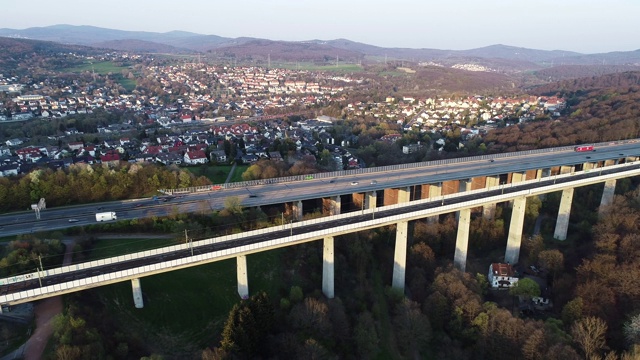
(342,173)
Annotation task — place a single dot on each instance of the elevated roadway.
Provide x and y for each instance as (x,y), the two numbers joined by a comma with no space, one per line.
(281,190)
(51,282)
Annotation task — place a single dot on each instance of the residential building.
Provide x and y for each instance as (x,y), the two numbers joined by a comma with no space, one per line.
(502,276)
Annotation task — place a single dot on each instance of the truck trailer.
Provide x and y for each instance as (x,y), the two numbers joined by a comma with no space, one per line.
(106,216)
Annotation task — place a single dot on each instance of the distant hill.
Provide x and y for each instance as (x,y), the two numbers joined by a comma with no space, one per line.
(286,51)
(13,51)
(132,45)
(499,57)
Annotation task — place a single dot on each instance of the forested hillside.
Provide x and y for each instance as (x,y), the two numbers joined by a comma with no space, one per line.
(603,108)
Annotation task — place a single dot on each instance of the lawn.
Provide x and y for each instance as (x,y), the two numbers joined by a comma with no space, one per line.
(104,248)
(185,309)
(105,68)
(315,67)
(102,68)
(218,173)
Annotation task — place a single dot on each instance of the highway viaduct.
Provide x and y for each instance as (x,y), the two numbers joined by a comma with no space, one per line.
(473,192)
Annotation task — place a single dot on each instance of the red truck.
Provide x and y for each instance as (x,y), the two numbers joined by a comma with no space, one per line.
(582,148)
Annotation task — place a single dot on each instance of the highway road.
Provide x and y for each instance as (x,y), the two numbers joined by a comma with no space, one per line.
(357,217)
(279,192)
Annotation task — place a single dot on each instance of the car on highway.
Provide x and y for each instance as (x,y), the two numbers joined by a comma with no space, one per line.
(374,182)
(354,183)
(73,220)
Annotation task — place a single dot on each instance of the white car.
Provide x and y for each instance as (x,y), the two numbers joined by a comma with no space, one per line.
(354,183)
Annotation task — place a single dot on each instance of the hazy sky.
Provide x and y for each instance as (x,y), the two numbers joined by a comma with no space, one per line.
(588,26)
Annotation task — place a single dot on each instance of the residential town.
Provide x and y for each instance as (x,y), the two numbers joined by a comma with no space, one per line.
(218,104)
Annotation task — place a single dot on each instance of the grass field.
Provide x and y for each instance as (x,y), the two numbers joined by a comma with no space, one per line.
(186,308)
(315,67)
(104,68)
(218,174)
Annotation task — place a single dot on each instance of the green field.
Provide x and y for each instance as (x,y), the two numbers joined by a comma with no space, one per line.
(218,173)
(315,67)
(184,309)
(102,68)
(105,68)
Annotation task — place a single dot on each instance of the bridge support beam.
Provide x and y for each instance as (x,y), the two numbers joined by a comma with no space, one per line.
(296,209)
(562,223)
(435,190)
(328,268)
(489,211)
(404,195)
(512,254)
(607,195)
(610,162)
(400,256)
(243,278)
(371,200)
(566,169)
(331,205)
(137,293)
(588,166)
(462,241)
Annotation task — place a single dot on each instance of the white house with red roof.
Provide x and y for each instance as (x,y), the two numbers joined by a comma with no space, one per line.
(195,157)
(502,276)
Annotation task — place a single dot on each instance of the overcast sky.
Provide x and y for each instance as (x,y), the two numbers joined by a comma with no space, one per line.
(587,26)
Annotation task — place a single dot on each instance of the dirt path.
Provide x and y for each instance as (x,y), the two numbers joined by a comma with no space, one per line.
(45,310)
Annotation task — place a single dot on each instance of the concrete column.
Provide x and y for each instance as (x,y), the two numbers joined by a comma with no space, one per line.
(371,200)
(462,241)
(512,254)
(400,256)
(610,162)
(243,278)
(435,190)
(404,195)
(562,224)
(518,177)
(588,166)
(331,205)
(607,195)
(296,208)
(489,211)
(137,293)
(566,169)
(328,269)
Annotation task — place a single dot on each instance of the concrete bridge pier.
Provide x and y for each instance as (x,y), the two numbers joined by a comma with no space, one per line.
(607,195)
(435,190)
(489,211)
(464,185)
(610,162)
(562,223)
(462,241)
(404,195)
(243,278)
(588,166)
(328,268)
(137,293)
(512,253)
(296,210)
(371,200)
(566,169)
(331,205)
(400,256)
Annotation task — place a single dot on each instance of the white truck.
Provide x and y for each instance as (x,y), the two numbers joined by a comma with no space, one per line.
(106,216)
